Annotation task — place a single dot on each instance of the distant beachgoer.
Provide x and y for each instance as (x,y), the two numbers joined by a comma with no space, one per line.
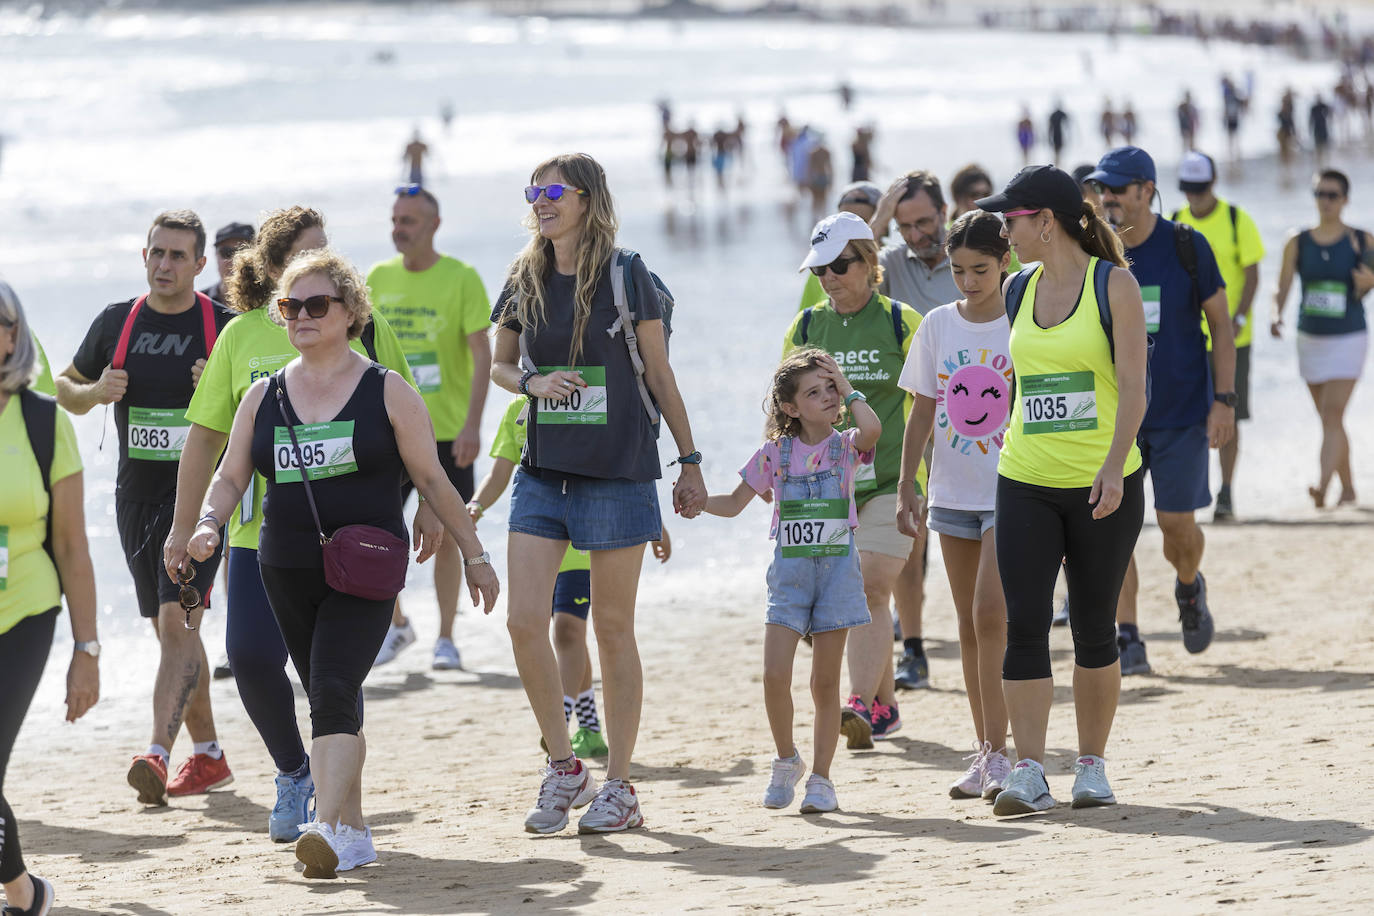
(690,145)
(1232,108)
(1058,132)
(721,145)
(846,92)
(1127,125)
(1187,121)
(1025,135)
(1332,261)
(1106,123)
(862,151)
(670,155)
(820,175)
(414,156)
(1287,136)
(1319,125)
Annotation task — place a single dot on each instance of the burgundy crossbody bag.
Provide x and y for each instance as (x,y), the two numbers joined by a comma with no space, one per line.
(360,560)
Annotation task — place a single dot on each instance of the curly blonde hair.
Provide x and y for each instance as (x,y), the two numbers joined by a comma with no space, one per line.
(529,273)
(345,277)
(786,379)
(250,284)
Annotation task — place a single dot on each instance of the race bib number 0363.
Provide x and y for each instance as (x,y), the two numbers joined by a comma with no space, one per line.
(326,451)
(814,527)
(157,435)
(1060,403)
(582,407)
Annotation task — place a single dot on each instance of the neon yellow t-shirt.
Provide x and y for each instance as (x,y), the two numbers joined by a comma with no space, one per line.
(433,312)
(508,444)
(1235,251)
(43,383)
(28,579)
(251,347)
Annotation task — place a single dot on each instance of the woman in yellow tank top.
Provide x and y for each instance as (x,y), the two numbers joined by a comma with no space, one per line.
(1069,482)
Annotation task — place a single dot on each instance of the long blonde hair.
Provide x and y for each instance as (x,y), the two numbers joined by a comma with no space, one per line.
(531,269)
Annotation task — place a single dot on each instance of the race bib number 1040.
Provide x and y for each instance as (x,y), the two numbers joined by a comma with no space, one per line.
(582,407)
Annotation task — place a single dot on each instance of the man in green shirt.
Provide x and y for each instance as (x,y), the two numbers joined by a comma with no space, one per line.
(439,310)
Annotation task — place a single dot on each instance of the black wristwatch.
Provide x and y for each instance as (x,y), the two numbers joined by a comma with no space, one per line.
(1229,398)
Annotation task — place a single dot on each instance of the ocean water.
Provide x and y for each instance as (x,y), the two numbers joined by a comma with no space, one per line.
(109,119)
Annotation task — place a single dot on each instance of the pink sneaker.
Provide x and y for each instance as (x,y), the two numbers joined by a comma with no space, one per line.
(971,784)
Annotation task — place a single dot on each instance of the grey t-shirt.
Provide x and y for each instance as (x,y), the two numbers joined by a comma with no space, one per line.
(602,431)
(906,278)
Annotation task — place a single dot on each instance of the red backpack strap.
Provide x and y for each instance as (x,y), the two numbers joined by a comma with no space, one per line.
(207,319)
(122,348)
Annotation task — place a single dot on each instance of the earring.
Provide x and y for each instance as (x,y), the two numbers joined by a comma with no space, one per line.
(1045,236)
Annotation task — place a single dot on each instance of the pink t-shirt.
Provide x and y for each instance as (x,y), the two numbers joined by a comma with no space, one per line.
(764,471)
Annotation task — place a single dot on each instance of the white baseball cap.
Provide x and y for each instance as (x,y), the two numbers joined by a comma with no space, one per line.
(831,235)
(1196,172)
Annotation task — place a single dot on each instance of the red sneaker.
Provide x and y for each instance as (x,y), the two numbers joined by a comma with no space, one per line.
(148,774)
(199,774)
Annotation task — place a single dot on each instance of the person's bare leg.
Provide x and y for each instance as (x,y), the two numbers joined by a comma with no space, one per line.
(336,764)
(827,652)
(615,587)
(779,651)
(570,647)
(530,595)
(1028,708)
(962,557)
(448,585)
(1335,453)
(1130,590)
(181,691)
(909,592)
(1318,492)
(870,645)
(398,617)
(1228,454)
(1096,692)
(1183,543)
(19,892)
(352,807)
(990,625)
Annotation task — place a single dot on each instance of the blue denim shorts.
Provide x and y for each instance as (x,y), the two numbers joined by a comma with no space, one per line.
(593,514)
(1177,460)
(969,524)
(817,594)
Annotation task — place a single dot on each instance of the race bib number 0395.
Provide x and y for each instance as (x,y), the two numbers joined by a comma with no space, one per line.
(582,407)
(814,527)
(157,435)
(1061,403)
(326,451)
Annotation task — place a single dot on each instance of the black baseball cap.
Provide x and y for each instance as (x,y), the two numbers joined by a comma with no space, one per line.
(1038,187)
(233,232)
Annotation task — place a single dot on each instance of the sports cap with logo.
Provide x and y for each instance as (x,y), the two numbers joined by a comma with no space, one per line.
(1196,172)
(861,192)
(831,235)
(1122,166)
(1038,187)
(234,232)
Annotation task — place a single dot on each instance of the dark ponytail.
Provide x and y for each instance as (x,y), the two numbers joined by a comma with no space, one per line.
(1095,235)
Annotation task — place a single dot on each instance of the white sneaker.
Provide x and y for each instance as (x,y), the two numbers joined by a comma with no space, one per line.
(316,850)
(820,796)
(1026,791)
(354,847)
(446,657)
(996,769)
(787,772)
(970,785)
(559,792)
(615,808)
(1090,788)
(397,638)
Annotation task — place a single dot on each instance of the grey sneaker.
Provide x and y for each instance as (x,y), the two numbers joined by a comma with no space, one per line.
(1061,616)
(615,808)
(996,770)
(1090,788)
(446,657)
(559,792)
(1026,791)
(913,672)
(782,788)
(354,847)
(1224,511)
(1196,619)
(820,796)
(1132,652)
(397,638)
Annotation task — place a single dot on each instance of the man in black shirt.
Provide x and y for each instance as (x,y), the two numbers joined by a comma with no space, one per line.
(145,356)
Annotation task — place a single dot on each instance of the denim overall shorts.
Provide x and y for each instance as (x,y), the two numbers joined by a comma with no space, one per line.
(815,594)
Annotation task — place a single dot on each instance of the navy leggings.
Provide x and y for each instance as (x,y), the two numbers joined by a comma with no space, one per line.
(23,653)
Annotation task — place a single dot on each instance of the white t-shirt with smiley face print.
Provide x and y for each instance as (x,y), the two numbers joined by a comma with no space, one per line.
(966,368)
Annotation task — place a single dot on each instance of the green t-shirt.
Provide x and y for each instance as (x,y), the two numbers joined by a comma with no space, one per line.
(1235,250)
(865,345)
(251,347)
(812,293)
(43,383)
(508,444)
(432,312)
(28,579)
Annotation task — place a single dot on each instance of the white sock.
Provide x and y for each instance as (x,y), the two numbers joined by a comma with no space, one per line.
(210,748)
(160,751)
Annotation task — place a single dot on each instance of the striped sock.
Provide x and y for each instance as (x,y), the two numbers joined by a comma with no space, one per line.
(586,711)
(568,709)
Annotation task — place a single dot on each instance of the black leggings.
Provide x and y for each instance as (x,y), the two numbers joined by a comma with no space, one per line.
(333,639)
(1037,527)
(23,653)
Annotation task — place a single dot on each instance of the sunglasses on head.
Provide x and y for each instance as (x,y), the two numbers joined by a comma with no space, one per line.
(189,596)
(551,191)
(1322,194)
(839,267)
(1100,188)
(315,306)
(409,190)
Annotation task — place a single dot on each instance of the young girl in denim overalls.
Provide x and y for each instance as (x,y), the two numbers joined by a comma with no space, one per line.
(814,586)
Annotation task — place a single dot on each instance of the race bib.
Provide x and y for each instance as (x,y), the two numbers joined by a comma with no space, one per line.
(157,435)
(582,406)
(1325,299)
(1150,296)
(425,368)
(865,477)
(326,451)
(1061,403)
(4,556)
(814,527)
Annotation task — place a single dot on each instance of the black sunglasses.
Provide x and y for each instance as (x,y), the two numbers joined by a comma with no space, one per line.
(189,596)
(839,267)
(315,306)
(1099,187)
(1327,195)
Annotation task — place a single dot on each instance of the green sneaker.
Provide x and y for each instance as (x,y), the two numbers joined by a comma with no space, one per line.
(587,743)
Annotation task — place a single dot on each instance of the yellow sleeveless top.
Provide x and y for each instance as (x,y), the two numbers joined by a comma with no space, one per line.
(1064,415)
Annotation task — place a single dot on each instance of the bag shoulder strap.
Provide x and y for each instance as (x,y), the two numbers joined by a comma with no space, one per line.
(40,422)
(898,328)
(806,324)
(1016,291)
(1186,250)
(368,339)
(1102,274)
(207,321)
(284,405)
(1235,228)
(121,352)
(621,283)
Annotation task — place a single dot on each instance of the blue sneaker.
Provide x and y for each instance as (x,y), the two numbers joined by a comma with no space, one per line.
(1133,658)
(1194,616)
(295,806)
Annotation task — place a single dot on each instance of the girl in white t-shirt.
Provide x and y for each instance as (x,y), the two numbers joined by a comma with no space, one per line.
(960,373)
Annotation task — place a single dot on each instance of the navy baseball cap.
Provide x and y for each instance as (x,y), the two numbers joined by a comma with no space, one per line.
(1122,166)
(234,231)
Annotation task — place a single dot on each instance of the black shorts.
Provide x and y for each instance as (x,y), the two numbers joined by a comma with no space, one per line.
(142,529)
(572,593)
(461,478)
(1242,380)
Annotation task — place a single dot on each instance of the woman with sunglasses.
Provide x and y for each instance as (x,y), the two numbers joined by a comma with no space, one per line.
(1069,480)
(250,347)
(43,553)
(356,428)
(869,335)
(1332,261)
(589,469)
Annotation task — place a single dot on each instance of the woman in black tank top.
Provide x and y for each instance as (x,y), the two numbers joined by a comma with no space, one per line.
(359,428)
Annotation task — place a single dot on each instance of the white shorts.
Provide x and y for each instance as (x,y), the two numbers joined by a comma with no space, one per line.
(1331,357)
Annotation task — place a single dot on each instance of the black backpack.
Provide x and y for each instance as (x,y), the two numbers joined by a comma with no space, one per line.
(40,421)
